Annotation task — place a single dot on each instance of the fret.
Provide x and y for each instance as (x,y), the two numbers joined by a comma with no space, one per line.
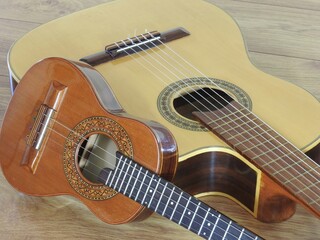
(147,189)
(244,120)
(167,204)
(232,115)
(279,152)
(120,178)
(164,188)
(227,229)
(315,201)
(190,213)
(107,180)
(309,187)
(160,198)
(126,175)
(130,176)
(268,145)
(144,175)
(293,153)
(244,127)
(184,211)
(302,175)
(135,182)
(214,225)
(176,206)
(203,222)
(244,135)
(242,231)
(226,232)
(115,174)
(194,215)
(237,232)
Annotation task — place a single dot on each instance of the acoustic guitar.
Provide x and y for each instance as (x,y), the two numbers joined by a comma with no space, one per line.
(59,136)
(192,59)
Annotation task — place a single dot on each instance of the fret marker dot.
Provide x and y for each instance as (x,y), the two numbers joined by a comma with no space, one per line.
(204,234)
(209,224)
(171,203)
(150,190)
(189,213)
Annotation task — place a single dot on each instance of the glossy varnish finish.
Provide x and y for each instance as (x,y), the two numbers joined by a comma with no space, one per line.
(145,141)
(223,56)
(281,40)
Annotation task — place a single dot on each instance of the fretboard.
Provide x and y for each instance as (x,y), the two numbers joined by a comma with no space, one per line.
(271,152)
(164,198)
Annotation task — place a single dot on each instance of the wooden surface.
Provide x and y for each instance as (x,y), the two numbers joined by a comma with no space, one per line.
(283,39)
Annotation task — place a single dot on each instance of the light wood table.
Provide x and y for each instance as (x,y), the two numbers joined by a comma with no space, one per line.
(283,39)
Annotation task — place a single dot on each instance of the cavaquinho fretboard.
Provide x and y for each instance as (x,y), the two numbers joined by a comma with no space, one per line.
(163,197)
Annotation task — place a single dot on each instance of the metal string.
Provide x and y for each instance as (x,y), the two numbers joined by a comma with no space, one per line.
(112,155)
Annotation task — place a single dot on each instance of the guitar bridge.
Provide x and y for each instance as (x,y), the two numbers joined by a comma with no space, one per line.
(135,44)
(41,125)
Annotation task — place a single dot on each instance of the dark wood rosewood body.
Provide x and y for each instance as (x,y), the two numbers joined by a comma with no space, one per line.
(163,197)
(272,153)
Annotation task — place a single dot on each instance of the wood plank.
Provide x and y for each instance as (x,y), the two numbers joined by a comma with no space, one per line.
(306,4)
(10,31)
(25,217)
(42,11)
(302,72)
(276,30)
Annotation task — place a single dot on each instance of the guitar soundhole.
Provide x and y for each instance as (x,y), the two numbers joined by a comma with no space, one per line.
(95,153)
(178,100)
(203,99)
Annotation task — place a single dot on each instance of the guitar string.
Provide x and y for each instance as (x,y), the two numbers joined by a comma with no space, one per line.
(217,86)
(296,149)
(294,186)
(307,187)
(143,183)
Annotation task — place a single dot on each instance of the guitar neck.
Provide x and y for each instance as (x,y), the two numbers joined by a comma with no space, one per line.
(164,198)
(271,152)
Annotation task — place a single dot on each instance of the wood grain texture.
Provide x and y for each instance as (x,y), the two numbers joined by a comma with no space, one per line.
(282,39)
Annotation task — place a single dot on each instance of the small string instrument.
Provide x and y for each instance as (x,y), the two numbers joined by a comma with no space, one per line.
(60,135)
(191,68)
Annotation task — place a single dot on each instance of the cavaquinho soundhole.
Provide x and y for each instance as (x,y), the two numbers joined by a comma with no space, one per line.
(90,147)
(179,99)
(95,153)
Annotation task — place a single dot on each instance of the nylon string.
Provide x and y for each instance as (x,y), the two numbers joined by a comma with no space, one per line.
(149,48)
(205,99)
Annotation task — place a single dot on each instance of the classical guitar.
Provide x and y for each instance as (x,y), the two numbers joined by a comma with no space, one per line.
(60,134)
(153,77)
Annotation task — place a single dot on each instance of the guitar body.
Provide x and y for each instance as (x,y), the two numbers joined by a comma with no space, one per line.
(54,169)
(207,165)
